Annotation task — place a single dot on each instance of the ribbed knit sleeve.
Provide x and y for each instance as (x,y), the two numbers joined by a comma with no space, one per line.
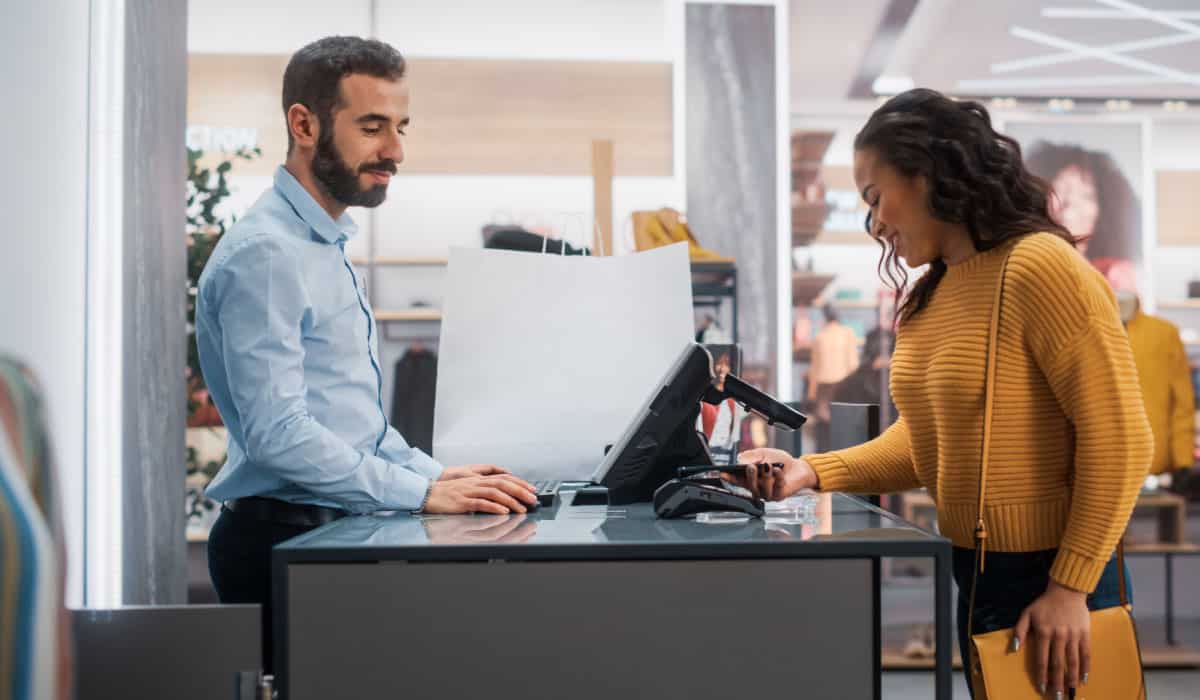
(882,465)
(1074,331)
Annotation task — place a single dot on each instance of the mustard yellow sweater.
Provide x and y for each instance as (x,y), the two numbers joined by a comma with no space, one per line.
(1070,441)
(1166,381)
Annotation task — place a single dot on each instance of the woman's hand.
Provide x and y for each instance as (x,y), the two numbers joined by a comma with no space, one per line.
(1061,629)
(770,482)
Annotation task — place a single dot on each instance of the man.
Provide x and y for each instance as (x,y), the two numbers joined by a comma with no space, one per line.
(287,339)
(834,357)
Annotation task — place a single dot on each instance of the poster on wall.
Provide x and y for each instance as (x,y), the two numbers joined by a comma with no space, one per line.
(1095,170)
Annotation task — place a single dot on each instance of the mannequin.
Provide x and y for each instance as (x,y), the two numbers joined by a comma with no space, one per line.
(1165,377)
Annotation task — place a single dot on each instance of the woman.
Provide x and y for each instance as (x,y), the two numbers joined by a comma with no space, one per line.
(1092,199)
(1070,443)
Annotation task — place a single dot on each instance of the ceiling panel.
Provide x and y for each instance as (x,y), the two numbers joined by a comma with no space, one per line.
(984,47)
(979,41)
(828,40)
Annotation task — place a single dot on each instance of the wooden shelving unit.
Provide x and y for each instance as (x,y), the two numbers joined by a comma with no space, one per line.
(401,262)
(1179,304)
(408,316)
(808,154)
(807,286)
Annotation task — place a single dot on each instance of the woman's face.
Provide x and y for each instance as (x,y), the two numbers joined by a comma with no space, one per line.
(1075,204)
(899,209)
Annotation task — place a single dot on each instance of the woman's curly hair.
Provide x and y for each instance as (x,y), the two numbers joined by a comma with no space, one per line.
(975,178)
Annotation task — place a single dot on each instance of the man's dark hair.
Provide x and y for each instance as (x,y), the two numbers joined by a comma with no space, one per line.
(830,312)
(313,75)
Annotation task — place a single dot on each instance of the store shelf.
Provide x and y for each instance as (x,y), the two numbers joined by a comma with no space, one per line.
(402,262)
(1161,656)
(859,237)
(808,218)
(854,303)
(1180,656)
(893,659)
(1161,548)
(807,286)
(713,278)
(409,315)
(1179,304)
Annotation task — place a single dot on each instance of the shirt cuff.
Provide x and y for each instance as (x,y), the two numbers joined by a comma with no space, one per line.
(424,465)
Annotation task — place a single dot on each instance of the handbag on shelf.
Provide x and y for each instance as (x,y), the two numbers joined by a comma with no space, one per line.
(997,673)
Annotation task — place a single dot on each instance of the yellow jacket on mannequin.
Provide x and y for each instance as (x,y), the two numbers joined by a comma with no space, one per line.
(1165,376)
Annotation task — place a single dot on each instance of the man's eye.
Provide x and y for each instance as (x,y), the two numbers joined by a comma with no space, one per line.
(371,130)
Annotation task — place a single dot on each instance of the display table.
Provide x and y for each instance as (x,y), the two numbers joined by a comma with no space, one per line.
(596,602)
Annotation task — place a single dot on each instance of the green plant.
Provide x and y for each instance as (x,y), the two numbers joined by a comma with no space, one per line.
(207,188)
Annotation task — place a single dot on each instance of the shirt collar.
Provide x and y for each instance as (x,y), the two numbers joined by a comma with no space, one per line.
(310,212)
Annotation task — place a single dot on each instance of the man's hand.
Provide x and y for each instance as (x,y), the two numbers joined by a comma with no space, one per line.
(497,493)
(471,470)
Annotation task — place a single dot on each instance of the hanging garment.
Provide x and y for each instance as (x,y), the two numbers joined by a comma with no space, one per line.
(34,646)
(1167,392)
(414,390)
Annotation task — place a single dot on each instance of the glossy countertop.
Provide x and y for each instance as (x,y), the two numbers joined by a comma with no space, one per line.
(809,524)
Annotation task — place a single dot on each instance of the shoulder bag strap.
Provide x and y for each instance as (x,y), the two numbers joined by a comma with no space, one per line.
(981,533)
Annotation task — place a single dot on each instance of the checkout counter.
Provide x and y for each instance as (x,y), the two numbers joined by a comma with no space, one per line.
(590,602)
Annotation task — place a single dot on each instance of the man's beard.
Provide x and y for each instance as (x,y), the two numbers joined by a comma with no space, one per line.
(341,182)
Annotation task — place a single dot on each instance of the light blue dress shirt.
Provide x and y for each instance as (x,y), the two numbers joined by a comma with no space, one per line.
(288,348)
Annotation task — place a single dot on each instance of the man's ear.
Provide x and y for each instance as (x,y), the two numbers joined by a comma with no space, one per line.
(303,125)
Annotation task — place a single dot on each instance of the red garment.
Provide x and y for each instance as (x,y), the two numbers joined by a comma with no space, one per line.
(708,416)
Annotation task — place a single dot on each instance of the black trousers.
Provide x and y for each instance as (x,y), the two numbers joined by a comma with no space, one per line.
(239,562)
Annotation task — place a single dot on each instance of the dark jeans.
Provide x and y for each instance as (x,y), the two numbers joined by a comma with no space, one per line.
(239,562)
(1010,583)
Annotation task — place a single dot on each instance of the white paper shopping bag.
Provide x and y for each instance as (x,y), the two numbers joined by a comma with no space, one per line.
(544,359)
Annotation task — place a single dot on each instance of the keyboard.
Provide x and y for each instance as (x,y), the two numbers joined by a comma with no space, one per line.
(547,491)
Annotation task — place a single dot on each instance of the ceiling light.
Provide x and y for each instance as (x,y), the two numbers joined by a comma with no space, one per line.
(1175,106)
(1060,105)
(1105,55)
(1099,13)
(892,84)
(1004,102)
(1118,105)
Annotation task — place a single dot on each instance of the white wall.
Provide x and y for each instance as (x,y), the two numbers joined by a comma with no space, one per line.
(608,30)
(426,214)
(270,26)
(1176,146)
(43,193)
